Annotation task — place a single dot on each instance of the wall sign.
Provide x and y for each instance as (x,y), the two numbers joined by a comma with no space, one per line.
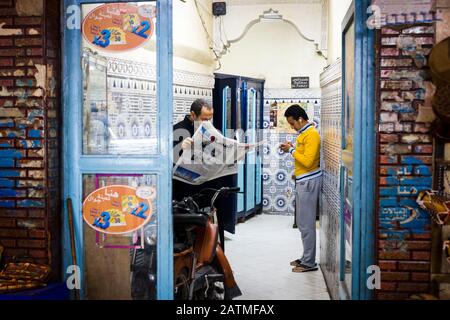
(300,82)
(116,209)
(119,26)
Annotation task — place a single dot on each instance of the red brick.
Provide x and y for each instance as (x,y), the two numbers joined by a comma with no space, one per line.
(41,261)
(6,62)
(16,213)
(421,128)
(36,213)
(413,287)
(31,223)
(387,52)
(38,253)
(388,286)
(425,40)
(6,3)
(7,223)
(414,266)
(28,42)
(389,138)
(420,255)
(8,12)
(388,160)
(6,83)
(418,245)
(398,63)
(5,42)
(8,243)
(13,233)
(16,252)
(408,117)
(394,255)
(420,277)
(423,236)
(387,265)
(423,159)
(394,276)
(424,148)
(31,243)
(11,52)
(391,296)
(39,234)
(26,21)
(389,31)
(35,52)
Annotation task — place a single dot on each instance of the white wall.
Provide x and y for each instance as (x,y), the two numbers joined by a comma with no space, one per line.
(190,41)
(274,51)
(337,10)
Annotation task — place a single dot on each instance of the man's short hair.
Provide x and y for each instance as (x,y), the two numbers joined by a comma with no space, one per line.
(197,106)
(296,112)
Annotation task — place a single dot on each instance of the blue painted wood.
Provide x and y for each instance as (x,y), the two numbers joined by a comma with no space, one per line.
(72,101)
(75,164)
(250,189)
(344,289)
(357,148)
(364,183)
(165,115)
(368,163)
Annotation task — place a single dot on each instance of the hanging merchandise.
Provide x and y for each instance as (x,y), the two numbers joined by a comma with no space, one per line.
(23,276)
(439,63)
(438,206)
(447,249)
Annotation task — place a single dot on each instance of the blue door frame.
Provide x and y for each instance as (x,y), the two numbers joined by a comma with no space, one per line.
(363,242)
(76,164)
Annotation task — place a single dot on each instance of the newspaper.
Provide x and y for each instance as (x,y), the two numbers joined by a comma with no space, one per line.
(212,156)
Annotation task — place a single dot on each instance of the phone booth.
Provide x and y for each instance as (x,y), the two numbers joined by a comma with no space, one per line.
(117,146)
(238,103)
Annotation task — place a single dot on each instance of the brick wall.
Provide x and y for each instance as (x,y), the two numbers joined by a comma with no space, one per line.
(405,159)
(29,130)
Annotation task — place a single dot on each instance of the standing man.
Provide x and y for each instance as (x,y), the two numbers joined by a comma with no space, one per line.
(306,153)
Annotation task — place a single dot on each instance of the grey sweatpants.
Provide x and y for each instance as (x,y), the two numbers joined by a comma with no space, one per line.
(307,205)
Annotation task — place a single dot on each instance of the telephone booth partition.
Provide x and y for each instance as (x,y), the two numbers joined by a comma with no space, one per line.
(238,103)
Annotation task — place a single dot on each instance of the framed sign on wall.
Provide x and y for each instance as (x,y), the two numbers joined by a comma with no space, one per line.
(300,82)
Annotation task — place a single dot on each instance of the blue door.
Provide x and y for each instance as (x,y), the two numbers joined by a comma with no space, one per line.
(358,147)
(118,132)
(250,167)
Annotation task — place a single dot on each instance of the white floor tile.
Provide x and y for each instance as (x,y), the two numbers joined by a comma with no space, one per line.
(259,254)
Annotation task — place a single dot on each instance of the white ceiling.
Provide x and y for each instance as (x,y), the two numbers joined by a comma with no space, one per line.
(269,2)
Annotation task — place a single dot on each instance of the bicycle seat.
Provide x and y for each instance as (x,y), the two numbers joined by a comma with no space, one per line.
(190,219)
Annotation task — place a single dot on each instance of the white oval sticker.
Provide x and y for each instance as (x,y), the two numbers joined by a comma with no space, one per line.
(145,192)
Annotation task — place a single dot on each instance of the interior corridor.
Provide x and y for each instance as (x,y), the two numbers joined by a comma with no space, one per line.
(260,253)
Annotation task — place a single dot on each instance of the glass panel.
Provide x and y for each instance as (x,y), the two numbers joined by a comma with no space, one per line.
(347,156)
(238,109)
(119,79)
(227,111)
(120,266)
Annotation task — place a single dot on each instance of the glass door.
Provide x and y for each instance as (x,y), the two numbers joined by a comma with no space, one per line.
(259,123)
(117,147)
(250,190)
(348,156)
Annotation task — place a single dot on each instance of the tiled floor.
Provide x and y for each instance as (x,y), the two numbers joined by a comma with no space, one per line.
(259,254)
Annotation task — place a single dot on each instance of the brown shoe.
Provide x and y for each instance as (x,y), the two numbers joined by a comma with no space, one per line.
(296,263)
(302,268)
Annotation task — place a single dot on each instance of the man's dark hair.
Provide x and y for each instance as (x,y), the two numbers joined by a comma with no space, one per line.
(296,112)
(197,106)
